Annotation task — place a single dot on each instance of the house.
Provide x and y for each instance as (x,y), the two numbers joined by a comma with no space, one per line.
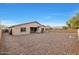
(26,28)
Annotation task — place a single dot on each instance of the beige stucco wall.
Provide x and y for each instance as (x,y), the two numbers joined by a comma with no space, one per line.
(41,28)
(16,30)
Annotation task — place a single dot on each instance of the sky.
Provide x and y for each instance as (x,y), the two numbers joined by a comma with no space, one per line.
(53,14)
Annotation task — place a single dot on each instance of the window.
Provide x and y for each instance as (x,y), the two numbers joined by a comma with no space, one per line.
(23,29)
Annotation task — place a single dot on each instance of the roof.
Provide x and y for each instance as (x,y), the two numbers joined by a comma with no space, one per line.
(25,24)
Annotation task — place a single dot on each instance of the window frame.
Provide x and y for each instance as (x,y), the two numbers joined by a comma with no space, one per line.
(23,29)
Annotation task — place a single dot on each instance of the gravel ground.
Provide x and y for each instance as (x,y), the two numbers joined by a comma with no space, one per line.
(50,43)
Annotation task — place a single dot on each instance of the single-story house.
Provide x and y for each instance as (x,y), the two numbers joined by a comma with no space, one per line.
(26,28)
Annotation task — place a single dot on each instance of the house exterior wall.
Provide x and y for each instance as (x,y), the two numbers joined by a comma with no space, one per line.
(39,30)
(16,29)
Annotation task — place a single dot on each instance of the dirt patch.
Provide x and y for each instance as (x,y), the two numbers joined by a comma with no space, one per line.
(50,43)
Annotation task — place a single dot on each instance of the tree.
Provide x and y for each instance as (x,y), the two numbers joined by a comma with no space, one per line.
(74,22)
(65,27)
(2,26)
(48,27)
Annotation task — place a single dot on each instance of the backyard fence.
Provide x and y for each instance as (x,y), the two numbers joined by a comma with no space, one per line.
(63,30)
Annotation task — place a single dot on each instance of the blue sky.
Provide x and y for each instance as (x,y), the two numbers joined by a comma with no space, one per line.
(49,14)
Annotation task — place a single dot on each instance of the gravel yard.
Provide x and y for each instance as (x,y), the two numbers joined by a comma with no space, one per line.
(51,43)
